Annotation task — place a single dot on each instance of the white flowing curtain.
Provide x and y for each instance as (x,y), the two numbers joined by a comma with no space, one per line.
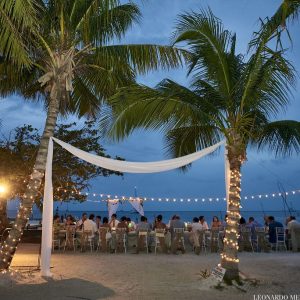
(110,164)
(137,205)
(112,206)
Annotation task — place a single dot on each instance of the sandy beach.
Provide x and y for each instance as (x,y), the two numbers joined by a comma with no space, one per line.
(130,276)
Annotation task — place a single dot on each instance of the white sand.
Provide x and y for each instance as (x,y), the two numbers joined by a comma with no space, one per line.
(129,276)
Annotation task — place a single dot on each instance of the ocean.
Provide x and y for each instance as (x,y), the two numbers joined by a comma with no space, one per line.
(186,216)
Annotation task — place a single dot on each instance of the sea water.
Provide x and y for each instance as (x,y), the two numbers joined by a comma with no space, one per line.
(186,216)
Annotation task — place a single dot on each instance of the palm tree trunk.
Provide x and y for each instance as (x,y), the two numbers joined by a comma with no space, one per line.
(229,257)
(3,214)
(32,192)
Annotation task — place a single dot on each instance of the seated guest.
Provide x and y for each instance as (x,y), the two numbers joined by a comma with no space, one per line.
(131,225)
(177,223)
(171,220)
(215,223)
(224,223)
(104,235)
(123,223)
(161,226)
(272,229)
(143,225)
(56,224)
(113,222)
(159,223)
(290,221)
(196,225)
(105,222)
(79,224)
(98,221)
(90,225)
(252,224)
(175,241)
(203,223)
(242,223)
(195,234)
(69,221)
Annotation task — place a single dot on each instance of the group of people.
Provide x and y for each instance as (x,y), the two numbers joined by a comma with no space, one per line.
(94,223)
(270,225)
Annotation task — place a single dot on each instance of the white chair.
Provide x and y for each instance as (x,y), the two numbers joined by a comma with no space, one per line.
(261,242)
(198,242)
(70,238)
(55,240)
(215,240)
(104,240)
(121,239)
(178,239)
(143,234)
(280,238)
(159,234)
(245,239)
(87,239)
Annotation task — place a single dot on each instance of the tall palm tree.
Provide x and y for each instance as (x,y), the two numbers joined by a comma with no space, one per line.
(16,18)
(75,67)
(231,97)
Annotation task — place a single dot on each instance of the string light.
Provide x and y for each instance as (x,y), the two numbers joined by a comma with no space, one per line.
(189,199)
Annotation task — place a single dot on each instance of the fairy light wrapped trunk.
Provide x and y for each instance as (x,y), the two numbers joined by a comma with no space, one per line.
(9,246)
(229,256)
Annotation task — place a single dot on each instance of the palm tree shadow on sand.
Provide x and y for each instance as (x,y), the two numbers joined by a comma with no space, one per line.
(66,289)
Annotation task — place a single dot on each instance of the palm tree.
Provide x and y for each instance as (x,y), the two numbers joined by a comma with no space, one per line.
(16,18)
(231,96)
(75,67)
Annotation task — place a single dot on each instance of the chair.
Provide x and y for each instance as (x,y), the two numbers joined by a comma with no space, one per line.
(215,240)
(103,241)
(70,238)
(280,238)
(121,239)
(55,240)
(261,242)
(160,239)
(87,239)
(245,242)
(143,239)
(199,241)
(178,240)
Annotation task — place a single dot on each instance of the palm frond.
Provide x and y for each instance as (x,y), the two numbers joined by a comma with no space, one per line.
(99,22)
(189,139)
(18,18)
(142,58)
(142,107)
(273,27)
(209,44)
(281,137)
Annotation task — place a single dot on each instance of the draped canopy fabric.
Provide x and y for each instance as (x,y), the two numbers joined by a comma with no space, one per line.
(137,167)
(137,205)
(110,164)
(112,206)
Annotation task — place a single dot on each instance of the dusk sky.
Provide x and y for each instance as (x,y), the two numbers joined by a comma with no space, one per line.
(261,173)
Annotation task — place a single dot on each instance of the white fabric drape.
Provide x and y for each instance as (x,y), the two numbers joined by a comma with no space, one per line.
(136,203)
(47,216)
(138,167)
(112,206)
(110,164)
